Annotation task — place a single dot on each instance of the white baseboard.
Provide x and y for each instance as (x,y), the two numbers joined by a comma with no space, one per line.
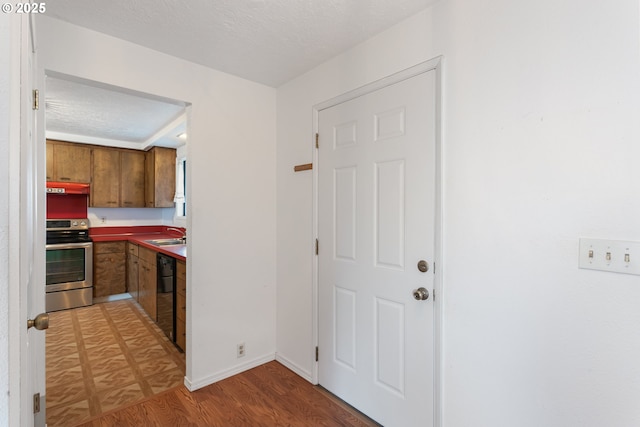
(295,368)
(219,376)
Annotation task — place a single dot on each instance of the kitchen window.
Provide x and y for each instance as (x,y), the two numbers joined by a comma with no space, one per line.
(181,188)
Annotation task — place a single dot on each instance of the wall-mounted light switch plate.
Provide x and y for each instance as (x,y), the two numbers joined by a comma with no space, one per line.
(610,255)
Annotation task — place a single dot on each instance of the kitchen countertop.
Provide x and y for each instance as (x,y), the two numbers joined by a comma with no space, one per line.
(139,235)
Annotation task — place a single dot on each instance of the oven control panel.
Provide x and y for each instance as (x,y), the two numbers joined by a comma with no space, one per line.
(67,224)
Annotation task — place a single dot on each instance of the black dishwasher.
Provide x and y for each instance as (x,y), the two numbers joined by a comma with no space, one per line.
(166,295)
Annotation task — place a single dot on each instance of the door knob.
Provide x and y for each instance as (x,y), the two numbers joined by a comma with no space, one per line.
(41,322)
(421,294)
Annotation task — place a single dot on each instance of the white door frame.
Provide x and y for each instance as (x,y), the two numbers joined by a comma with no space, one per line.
(16,304)
(26,230)
(436,65)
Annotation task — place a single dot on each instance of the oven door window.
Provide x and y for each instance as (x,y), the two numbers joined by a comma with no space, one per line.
(65,265)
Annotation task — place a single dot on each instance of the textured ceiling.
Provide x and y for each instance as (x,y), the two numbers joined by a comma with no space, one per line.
(93,113)
(82,111)
(267,41)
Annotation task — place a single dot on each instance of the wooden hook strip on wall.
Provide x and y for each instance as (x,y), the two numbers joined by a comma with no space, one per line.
(305,167)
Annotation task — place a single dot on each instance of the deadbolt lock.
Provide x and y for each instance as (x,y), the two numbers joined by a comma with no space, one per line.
(423,266)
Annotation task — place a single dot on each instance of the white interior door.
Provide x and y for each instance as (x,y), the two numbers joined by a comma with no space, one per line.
(27,217)
(376,222)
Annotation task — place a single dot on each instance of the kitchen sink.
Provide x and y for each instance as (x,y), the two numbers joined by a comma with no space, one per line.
(166,242)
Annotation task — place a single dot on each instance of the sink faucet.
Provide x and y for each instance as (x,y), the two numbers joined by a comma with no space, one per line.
(183,232)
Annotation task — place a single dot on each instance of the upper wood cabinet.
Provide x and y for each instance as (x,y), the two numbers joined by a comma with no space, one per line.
(160,179)
(68,162)
(119,177)
(50,146)
(105,178)
(132,179)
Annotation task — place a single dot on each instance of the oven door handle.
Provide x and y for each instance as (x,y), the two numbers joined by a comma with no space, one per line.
(69,245)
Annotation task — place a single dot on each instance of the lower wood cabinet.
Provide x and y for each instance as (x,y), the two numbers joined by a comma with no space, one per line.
(181,304)
(109,274)
(141,283)
(133,270)
(147,281)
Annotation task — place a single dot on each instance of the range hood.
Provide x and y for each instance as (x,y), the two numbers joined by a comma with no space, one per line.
(54,187)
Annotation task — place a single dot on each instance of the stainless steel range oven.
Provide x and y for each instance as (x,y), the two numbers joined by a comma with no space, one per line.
(69,270)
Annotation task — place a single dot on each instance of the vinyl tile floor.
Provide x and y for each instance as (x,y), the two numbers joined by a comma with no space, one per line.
(105,356)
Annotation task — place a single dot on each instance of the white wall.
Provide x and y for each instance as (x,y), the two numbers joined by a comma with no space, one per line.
(231,178)
(370,61)
(5,108)
(115,217)
(541,131)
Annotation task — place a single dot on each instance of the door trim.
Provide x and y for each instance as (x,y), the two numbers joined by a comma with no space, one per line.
(26,221)
(17,312)
(434,64)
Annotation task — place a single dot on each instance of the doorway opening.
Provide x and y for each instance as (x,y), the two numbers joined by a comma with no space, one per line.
(112,352)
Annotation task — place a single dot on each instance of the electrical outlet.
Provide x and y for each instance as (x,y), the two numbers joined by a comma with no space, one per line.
(240,350)
(610,255)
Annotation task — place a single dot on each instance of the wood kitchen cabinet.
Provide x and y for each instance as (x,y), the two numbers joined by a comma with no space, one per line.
(68,162)
(49,152)
(117,178)
(109,275)
(147,281)
(181,304)
(132,176)
(105,178)
(133,270)
(160,177)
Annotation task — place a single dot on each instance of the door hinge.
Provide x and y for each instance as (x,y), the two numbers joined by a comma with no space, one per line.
(36,99)
(36,403)
(317,138)
(317,352)
(317,247)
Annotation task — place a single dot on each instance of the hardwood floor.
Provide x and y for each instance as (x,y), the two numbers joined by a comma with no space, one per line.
(266,396)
